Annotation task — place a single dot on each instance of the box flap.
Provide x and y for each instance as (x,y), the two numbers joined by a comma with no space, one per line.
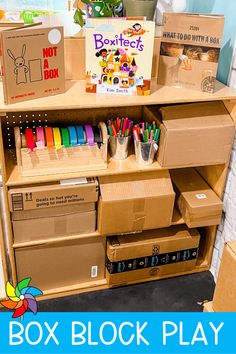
(232,247)
(197,115)
(143,185)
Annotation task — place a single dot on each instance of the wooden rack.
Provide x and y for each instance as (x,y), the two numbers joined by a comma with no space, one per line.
(75,104)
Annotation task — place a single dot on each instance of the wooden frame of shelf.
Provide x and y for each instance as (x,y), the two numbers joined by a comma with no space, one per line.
(70,104)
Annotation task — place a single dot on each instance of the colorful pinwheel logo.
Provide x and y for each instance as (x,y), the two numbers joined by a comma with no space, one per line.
(21,298)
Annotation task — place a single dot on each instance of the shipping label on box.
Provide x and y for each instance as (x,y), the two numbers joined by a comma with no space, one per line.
(190,50)
(33,62)
(48,196)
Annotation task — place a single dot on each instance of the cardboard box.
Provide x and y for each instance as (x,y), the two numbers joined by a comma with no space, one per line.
(195,134)
(132,203)
(63,264)
(208,307)
(224,299)
(151,255)
(197,202)
(53,195)
(190,50)
(54,226)
(33,62)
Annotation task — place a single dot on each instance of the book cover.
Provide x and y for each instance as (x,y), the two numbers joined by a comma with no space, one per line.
(190,50)
(32,62)
(119,56)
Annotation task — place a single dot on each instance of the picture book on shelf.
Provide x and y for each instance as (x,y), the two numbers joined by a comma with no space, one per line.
(32,60)
(119,56)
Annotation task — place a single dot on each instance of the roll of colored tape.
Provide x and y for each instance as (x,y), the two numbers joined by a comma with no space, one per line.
(80,135)
(57,138)
(97,134)
(30,139)
(65,137)
(40,140)
(49,137)
(103,128)
(73,136)
(89,135)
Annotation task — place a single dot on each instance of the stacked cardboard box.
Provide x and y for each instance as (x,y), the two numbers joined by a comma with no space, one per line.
(132,203)
(151,254)
(197,202)
(189,134)
(54,210)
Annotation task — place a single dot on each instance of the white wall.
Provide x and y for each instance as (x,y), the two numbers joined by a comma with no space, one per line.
(227,230)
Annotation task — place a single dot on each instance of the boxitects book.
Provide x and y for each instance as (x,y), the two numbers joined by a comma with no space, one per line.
(32,61)
(119,56)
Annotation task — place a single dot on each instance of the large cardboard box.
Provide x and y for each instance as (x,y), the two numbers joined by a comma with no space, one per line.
(53,195)
(33,62)
(197,202)
(151,255)
(63,264)
(224,299)
(194,134)
(190,50)
(132,203)
(33,227)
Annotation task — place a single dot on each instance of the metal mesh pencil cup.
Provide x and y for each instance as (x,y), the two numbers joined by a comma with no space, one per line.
(145,152)
(119,147)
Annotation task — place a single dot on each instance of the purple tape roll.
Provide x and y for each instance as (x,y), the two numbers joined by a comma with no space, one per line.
(89,135)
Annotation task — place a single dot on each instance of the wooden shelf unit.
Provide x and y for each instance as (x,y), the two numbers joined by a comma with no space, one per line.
(76,105)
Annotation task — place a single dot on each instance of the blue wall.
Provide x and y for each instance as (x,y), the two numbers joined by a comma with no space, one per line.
(228,8)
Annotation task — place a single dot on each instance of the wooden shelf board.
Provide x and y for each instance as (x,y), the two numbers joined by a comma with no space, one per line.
(101,285)
(114,168)
(75,97)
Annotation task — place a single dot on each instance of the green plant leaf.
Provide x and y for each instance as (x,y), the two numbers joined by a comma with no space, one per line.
(78,17)
(86,1)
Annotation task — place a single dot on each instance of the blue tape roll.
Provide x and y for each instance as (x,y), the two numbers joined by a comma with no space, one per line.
(73,136)
(80,135)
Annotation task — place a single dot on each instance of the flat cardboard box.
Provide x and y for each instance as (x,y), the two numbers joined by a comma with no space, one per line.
(132,203)
(63,264)
(224,299)
(53,195)
(190,50)
(194,134)
(197,202)
(54,226)
(33,62)
(55,211)
(151,254)
(208,307)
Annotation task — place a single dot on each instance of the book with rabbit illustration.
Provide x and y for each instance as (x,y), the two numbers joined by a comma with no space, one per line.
(32,61)
(119,56)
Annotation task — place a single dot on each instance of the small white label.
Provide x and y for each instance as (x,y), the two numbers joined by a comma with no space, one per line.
(94,271)
(201,196)
(73,181)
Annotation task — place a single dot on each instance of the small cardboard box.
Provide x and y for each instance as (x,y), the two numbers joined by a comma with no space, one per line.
(190,50)
(224,299)
(33,62)
(151,255)
(195,134)
(61,224)
(63,264)
(53,195)
(132,203)
(197,202)
(208,307)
